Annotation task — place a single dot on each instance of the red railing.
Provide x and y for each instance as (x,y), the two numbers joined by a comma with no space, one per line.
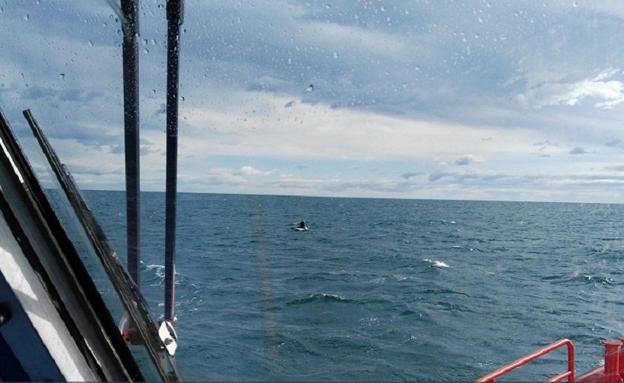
(613,369)
(569,374)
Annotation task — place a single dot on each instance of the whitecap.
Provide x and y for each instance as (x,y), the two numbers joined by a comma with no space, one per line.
(436,263)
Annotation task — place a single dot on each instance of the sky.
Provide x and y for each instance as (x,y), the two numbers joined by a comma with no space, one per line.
(487,100)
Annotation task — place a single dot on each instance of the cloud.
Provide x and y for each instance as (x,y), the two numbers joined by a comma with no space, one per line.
(395,85)
(320,131)
(437,176)
(602,89)
(617,168)
(578,150)
(162,109)
(614,143)
(251,171)
(409,175)
(464,160)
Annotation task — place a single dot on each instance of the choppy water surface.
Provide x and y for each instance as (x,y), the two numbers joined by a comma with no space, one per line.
(379,289)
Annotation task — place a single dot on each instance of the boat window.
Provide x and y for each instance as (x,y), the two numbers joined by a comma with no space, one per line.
(47,69)
(386,108)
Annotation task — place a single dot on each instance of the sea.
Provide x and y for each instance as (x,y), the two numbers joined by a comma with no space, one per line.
(379,289)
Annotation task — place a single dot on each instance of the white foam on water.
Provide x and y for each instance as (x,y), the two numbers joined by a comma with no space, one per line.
(436,263)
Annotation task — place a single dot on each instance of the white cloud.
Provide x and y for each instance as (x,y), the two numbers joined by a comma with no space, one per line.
(263,127)
(251,171)
(601,88)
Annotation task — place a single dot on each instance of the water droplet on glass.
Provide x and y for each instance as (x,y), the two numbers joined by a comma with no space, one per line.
(90,43)
(310,88)
(153,91)
(183,99)
(26,17)
(335,55)
(289,61)
(62,76)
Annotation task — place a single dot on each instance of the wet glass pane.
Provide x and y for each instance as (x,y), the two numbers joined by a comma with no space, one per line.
(385,107)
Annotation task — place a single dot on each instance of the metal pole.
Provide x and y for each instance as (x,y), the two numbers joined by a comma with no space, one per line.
(130,26)
(175,11)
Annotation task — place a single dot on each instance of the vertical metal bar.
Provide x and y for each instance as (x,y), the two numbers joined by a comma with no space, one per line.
(175,11)
(571,362)
(130,26)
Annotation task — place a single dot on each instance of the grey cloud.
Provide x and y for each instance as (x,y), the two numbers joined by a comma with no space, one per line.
(162,109)
(78,169)
(617,168)
(614,143)
(437,176)
(409,175)
(70,94)
(578,150)
(268,84)
(463,161)
(427,75)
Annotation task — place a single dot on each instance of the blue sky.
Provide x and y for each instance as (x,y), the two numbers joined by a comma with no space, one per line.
(504,100)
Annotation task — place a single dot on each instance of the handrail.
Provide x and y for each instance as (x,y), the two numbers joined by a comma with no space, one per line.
(569,374)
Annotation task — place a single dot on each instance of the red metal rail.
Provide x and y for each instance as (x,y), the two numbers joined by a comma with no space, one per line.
(569,374)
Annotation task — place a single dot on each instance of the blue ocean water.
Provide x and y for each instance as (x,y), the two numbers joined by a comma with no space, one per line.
(379,289)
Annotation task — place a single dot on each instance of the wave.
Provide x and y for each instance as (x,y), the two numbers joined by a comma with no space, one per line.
(436,263)
(320,298)
(579,279)
(158,274)
(442,291)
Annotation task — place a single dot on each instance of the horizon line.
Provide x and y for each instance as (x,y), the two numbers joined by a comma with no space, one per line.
(359,197)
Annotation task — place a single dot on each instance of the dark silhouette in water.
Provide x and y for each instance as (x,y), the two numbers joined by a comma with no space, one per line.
(301,225)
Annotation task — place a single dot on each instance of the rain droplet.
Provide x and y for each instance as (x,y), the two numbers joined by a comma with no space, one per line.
(90,43)
(26,17)
(62,76)
(310,88)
